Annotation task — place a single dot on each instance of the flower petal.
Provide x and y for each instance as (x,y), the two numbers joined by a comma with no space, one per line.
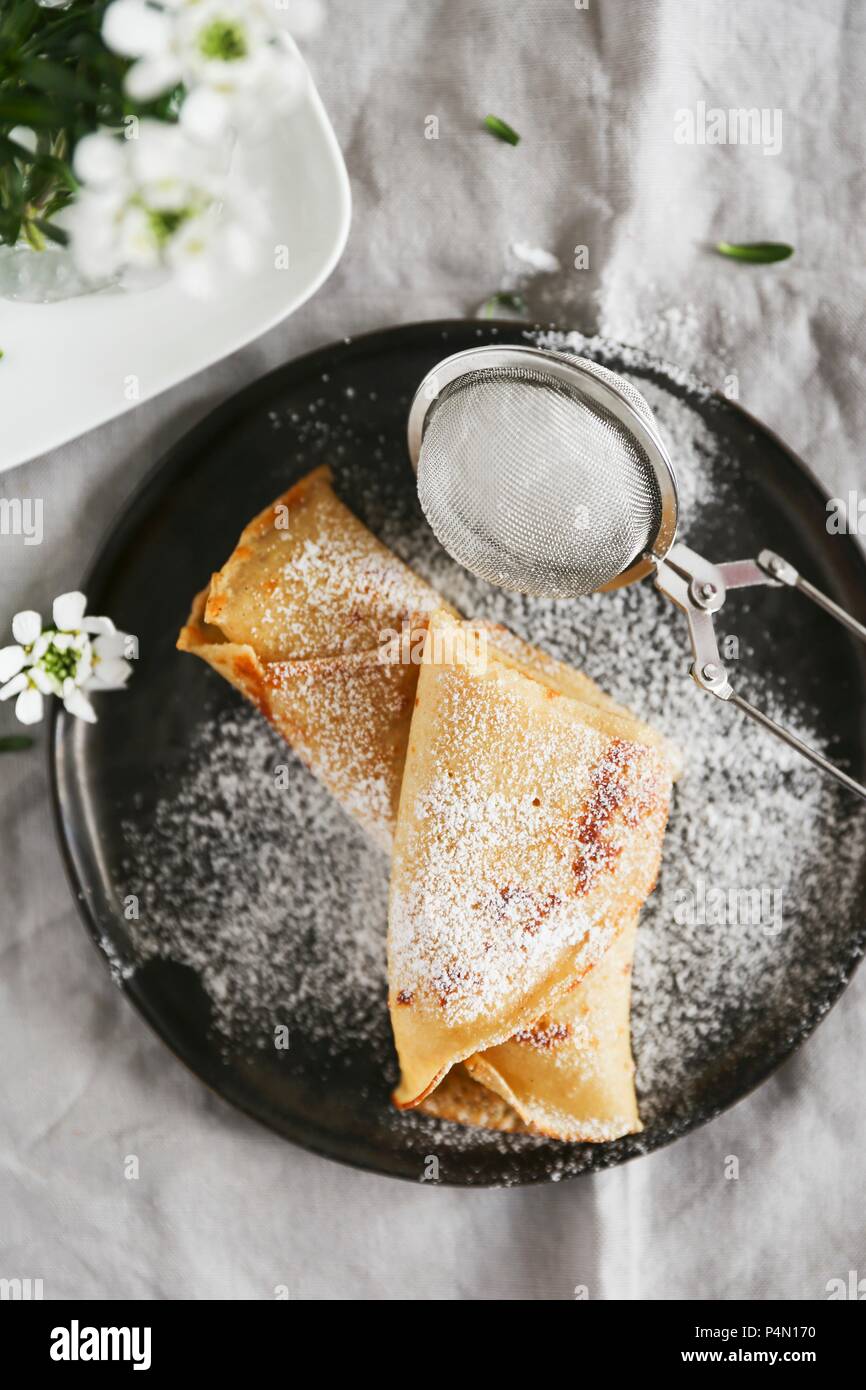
(26,626)
(84,666)
(135,29)
(23,135)
(14,687)
(77,703)
(112,674)
(28,706)
(68,611)
(44,681)
(205,114)
(99,158)
(136,239)
(110,645)
(150,77)
(12,660)
(97,625)
(90,222)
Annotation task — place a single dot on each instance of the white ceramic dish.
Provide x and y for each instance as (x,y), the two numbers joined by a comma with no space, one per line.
(70,366)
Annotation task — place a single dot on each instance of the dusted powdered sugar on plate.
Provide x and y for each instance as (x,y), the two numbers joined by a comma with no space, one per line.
(278,902)
(251,874)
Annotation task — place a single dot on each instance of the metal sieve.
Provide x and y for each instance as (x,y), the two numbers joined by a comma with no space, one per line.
(546,473)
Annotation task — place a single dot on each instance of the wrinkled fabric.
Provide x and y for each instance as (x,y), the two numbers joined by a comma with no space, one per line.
(221,1208)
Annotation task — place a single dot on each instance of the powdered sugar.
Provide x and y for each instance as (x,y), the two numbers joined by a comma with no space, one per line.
(334,577)
(265,887)
(278,901)
(525,827)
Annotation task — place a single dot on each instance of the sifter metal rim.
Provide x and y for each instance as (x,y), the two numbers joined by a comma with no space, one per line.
(568,371)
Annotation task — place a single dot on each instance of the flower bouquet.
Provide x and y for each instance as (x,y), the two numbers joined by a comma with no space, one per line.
(117,123)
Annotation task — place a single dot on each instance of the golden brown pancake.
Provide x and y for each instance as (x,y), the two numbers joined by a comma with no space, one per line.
(295,621)
(569,1076)
(529,833)
(308,579)
(463,1101)
(567,681)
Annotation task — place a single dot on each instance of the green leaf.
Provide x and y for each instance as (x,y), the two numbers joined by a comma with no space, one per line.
(17,21)
(10,228)
(502,130)
(55,234)
(48,179)
(15,743)
(58,80)
(758,252)
(52,206)
(23,109)
(33,235)
(502,302)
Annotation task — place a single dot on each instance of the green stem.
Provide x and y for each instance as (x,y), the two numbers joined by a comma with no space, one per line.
(15,743)
(32,233)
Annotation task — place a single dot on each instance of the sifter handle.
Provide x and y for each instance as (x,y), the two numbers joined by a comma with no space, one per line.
(785,573)
(794,742)
(698,589)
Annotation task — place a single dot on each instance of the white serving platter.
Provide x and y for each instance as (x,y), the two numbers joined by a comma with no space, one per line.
(72,365)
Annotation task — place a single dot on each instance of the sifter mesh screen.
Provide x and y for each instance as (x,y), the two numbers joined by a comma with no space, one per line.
(534,487)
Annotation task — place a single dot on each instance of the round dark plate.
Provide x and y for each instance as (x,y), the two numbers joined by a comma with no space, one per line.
(347,405)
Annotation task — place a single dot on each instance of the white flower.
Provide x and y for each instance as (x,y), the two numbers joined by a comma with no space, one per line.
(24,136)
(75,654)
(26,626)
(99,159)
(12,660)
(234,57)
(158,201)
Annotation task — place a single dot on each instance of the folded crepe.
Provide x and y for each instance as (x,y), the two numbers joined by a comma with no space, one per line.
(307,579)
(570,1075)
(529,834)
(565,680)
(295,620)
(298,620)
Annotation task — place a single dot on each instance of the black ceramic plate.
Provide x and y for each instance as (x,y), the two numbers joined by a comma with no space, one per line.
(347,405)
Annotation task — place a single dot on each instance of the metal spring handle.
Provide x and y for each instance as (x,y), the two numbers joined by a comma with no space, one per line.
(699,589)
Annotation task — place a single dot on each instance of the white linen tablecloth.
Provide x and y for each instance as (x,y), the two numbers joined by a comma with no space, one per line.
(223,1209)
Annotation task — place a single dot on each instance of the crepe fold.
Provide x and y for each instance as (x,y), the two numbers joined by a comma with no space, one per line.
(526,831)
(529,832)
(569,1075)
(299,619)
